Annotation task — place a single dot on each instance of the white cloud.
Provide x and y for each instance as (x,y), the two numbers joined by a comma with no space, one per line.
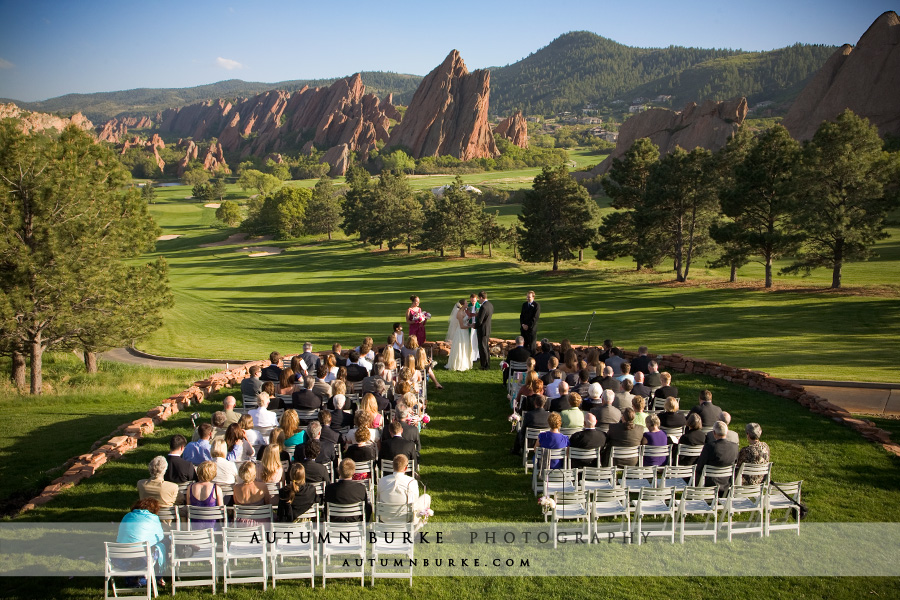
(228,64)
(5,64)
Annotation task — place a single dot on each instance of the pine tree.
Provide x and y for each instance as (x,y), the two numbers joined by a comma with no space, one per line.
(323,213)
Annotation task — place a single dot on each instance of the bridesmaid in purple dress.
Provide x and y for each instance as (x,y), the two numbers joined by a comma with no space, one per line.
(654,437)
(415,318)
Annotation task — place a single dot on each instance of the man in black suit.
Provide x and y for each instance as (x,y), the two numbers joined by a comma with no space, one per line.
(641,363)
(251,386)
(340,361)
(709,412)
(542,358)
(368,384)
(273,371)
(306,398)
(561,402)
(179,469)
(307,454)
(355,371)
(606,350)
(667,388)
(328,433)
(395,444)
(518,354)
(535,418)
(720,453)
(528,320)
(347,491)
(607,381)
(483,329)
(339,417)
(381,398)
(652,378)
(553,373)
(312,361)
(639,388)
(590,437)
(410,432)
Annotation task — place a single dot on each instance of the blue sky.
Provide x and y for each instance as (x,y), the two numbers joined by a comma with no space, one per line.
(50,48)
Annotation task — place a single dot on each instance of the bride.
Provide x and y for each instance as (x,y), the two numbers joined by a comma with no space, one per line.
(458,334)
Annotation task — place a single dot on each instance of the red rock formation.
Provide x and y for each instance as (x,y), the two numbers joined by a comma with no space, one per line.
(215,159)
(156,141)
(35,121)
(137,122)
(449,114)
(189,155)
(113,131)
(389,110)
(338,158)
(514,128)
(159,161)
(708,126)
(865,79)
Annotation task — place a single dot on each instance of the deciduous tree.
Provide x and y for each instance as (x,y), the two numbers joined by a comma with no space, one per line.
(323,214)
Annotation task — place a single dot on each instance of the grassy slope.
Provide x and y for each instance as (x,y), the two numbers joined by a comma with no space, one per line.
(471,476)
(336,291)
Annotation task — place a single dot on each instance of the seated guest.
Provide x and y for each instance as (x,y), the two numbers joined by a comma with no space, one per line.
(347,491)
(639,388)
(262,416)
(709,412)
(315,470)
(529,388)
(594,392)
(624,398)
(625,434)
(336,352)
(640,417)
(641,363)
(606,351)
(165,492)
(322,388)
(607,381)
(564,346)
(693,436)
(238,449)
(198,452)
(398,494)
(340,418)
(355,370)
(654,437)
(594,364)
(273,371)
(582,384)
(553,373)
(295,498)
(670,417)
(561,402)
(341,377)
(606,413)
(231,416)
(286,381)
(179,470)
(370,407)
(409,348)
(518,354)
(380,394)
(410,432)
(731,436)
(589,438)
(720,453)
(226,472)
(536,418)
(290,424)
(394,444)
(367,351)
(423,364)
(615,360)
(553,439)
(552,389)
(276,439)
(626,373)
(755,452)
(542,358)
(368,384)
(304,398)
(570,361)
(218,426)
(329,433)
(331,367)
(363,420)
(319,431)
(398,336)
(573,416)
(362,451)
(311,362)
(274,401)
(252,386)
(143,525)
(251,435)
(204,493)
(249,491)
(667,389)
(652,378)
(272,470)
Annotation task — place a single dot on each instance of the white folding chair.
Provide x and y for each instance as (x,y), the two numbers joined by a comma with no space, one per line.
(559,481)
(699,501)
(344,539)
(369,468)
(387,467)
(635,479)
(568,431)
(192,559)
(531,436)
(393,539)
(747,499)
(611,503)
(292,551)
(597,478)
(241,548)
(716,472)
(706,429)
(623,453)
(307,416)
(655,502)
(169,518)
(570,506)
(763,470)
(657,451)
(673,433)
(684,451)
(249,403)
(788,499)
(537,477)
(658,404)
(678,477)
(206,513)
(588,455)
(251,516)
(129,560)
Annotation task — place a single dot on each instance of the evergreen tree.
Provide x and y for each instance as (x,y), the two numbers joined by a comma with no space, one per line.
(462,213)
(842,204)
(217,188)
(436,227)
(69,237)
(355,211)
(555,219)
(148,192)
(281,213)
(491,231)
(323,214)
(386,223)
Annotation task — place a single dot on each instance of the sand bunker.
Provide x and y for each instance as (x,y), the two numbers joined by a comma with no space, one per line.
(171,236)
(236,238)
(256,251)
(212,205)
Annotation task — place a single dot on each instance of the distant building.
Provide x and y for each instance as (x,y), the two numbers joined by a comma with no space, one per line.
(663,98)
(439,191)
(590,120)
(533,119)
(636,108)
(611,136)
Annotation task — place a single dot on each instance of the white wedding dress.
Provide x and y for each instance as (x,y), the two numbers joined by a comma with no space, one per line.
(461,351)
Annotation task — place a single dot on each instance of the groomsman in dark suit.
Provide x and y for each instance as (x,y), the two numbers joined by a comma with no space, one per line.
(483,328)
(528,320)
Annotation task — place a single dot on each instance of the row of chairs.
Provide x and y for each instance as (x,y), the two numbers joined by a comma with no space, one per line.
(256,553)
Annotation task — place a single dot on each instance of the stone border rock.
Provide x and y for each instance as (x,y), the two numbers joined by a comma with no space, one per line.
(106,449)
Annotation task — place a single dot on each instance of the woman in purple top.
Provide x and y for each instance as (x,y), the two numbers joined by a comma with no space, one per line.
(204,493)
(654,437)
(553,439)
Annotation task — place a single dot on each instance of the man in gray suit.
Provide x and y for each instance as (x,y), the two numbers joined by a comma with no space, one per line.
(252,386)
(731,436)
(606,413)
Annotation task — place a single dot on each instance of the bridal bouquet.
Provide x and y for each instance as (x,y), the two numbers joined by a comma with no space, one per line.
(547,503)
(514,419)
(421,317)
(424,514)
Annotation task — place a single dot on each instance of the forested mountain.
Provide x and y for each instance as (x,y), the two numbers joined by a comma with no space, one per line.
(102,106)
(582,67)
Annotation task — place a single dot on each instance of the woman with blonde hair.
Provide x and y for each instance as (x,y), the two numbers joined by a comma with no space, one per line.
(290,423)
(249,492)
(271,469)
(252,436)
(365,350)
(409,347)
(390,363)
(226,472)
(424,365)
(276,438)
(369,406)
(205,493)
(331,365)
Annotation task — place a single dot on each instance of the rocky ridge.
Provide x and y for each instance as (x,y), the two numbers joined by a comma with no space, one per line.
(514,128)
(36,121)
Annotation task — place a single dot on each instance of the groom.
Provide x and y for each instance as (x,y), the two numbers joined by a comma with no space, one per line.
(483,328)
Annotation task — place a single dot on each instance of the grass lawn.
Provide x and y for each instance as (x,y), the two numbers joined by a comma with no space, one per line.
(472,477)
